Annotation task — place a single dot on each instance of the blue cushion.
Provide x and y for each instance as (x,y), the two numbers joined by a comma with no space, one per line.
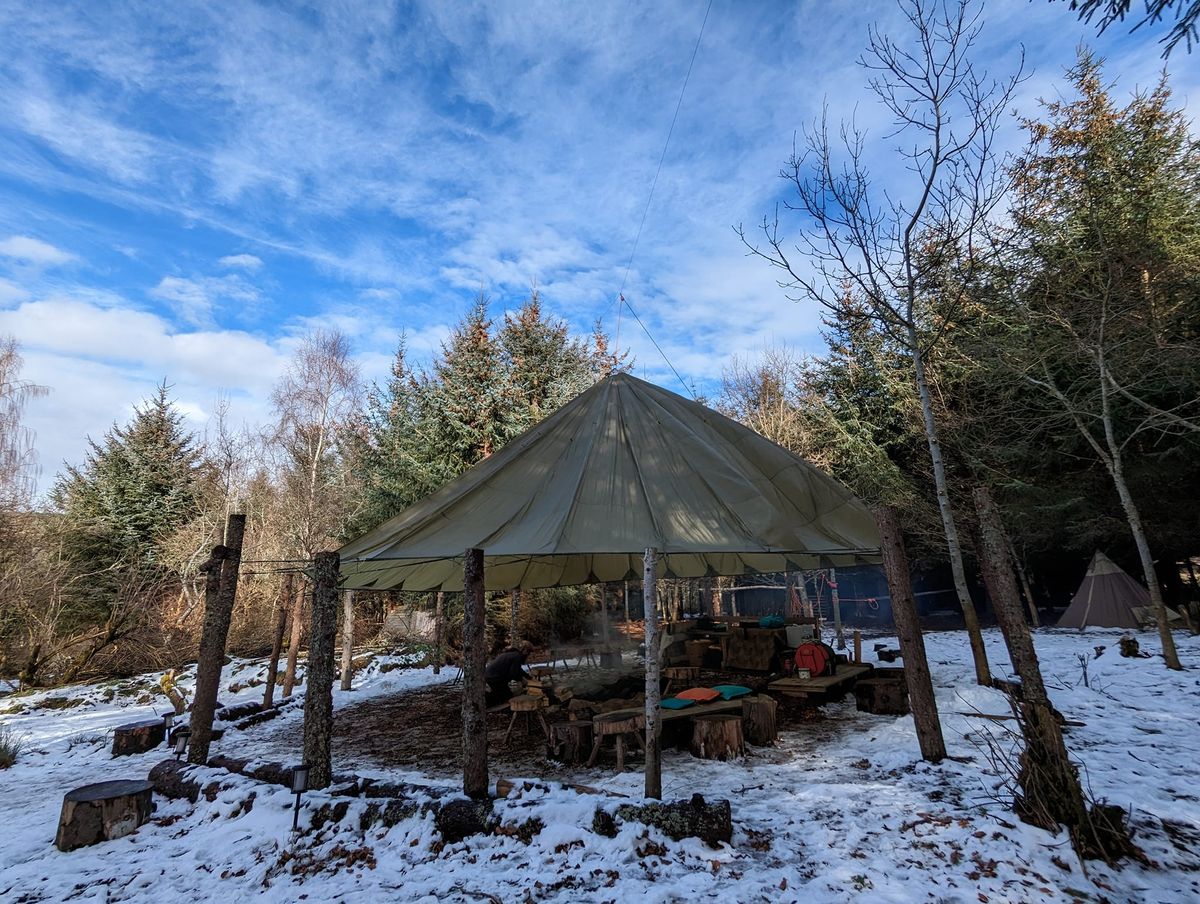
(731,691)
(676,703)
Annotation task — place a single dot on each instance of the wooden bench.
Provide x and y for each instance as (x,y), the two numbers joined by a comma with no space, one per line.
(821,689)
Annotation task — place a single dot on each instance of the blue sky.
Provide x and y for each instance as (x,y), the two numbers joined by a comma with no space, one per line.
(186,188)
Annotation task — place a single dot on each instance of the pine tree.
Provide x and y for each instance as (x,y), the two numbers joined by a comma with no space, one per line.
(469,393)
(545,367)
(134,489)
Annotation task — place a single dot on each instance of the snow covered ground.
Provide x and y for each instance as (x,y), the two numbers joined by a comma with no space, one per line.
(842,809)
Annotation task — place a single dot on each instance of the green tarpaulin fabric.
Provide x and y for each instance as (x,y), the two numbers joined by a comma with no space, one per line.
(625,465)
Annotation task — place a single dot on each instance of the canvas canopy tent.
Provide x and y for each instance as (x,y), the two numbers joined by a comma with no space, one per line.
(1107,598)
(624,466)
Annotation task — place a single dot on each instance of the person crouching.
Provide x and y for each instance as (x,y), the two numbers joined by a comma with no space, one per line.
(508,666)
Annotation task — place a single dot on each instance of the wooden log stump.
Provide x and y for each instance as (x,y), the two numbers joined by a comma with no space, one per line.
(759,725)
(621,729)
(102,812)
(569,742)
(718,737)
(883,693)
(138,737)
(684,675)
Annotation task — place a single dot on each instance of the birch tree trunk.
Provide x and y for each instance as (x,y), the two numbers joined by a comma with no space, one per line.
(347,638)
(653,688)
(297,635)
(970,617)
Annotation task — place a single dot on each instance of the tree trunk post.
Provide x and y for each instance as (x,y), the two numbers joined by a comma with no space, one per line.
(439,631)
(604,612)
(347,638)
(626,595)
(802,591)
(474,709)
(297,635)
(287,601)
(837,609)
(912,643)
(514,618)
(653,732)
(218,610)
(1025,586)
(318,687)
(983,674)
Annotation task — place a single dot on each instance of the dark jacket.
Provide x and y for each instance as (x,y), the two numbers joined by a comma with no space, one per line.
(506,667)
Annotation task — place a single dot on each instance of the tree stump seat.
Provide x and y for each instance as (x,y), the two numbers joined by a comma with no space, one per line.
(883,693)
(530,706)
(684,674)
(138,737)
(759,724)
(102,812)
(718,737)
(618,727)
(569,742)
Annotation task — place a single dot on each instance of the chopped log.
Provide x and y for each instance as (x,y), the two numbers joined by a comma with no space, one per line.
(458,819)
(569,742)
(883,694)
(710,822)
(505,787)
(758,720)
(138,737)
(717,737)
(102,812)
(239,711)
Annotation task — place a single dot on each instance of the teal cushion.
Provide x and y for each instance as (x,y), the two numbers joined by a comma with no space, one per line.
(731,691)
(676,703)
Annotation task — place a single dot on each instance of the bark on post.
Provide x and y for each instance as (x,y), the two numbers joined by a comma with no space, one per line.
(837,609)
(347,638)
(514,618)
(912,644)
(318,686)
(653,732)
(806,608)
(297,634)
(604,612)
(287,601)
(626,596)
(1051,791)
(218,609)
(439,631)
(474,710)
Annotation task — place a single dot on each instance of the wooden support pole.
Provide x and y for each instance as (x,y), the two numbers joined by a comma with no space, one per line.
(912,643)
(474,710)
(604,612)
(439,631)
(837,609)
(653,732)
(626,595)
(318,687)
(857,646)
(347,638)
(514,618)
(1033,612)
(802,589)
(297,635)
(287,601)
(218,610)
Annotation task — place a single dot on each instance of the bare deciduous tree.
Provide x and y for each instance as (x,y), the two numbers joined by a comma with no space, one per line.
(910,252)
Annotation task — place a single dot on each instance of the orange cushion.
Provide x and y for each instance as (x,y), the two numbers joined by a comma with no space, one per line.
(699,694)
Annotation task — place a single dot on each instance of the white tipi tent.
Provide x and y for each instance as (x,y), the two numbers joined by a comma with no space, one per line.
(1107,598)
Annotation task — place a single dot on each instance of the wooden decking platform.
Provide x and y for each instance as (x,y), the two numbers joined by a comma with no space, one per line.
(688,712)
(820,689)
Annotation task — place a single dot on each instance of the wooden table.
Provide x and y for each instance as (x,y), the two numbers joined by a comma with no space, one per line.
(823,688)
(688,712)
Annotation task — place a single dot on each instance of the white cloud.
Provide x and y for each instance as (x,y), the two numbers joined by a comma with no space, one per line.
(29,250)
(195,300)
(241,261)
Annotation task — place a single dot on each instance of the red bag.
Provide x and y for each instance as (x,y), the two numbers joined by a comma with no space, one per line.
(816,657)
